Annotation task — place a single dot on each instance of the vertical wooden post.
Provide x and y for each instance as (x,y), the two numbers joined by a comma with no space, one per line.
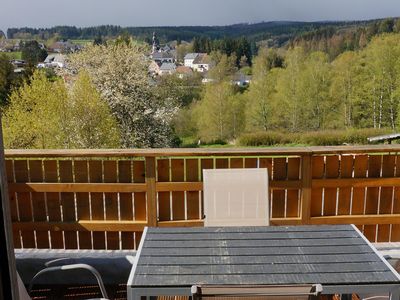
(151,193)
(306,180)
(8,274)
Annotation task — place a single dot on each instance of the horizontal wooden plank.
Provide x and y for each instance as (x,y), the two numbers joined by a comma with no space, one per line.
(181,223)
(255,259)
(190,236)
(198,186)
(125,187)
(355,182)
(357,219)
(285,221)
(299,278)
(82,226)
(293,242)
(232,251)
(341,229)
(230,269)
(183,152)
(178,186)
(78,187)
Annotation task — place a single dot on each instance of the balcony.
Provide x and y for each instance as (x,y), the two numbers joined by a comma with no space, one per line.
(103,199)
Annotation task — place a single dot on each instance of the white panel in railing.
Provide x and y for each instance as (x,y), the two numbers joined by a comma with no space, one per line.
(236,197)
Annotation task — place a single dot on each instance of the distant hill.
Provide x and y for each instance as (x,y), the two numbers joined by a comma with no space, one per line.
(279,31)
(336,39)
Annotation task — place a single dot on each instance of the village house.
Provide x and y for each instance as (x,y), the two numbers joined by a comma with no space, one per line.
(189,58)
(154,68)
(202,63)
(183,72)
(64,47)
(53,61)
(167,69)
(162,57)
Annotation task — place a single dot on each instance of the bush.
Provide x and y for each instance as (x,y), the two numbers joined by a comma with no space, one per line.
(268,138)
(311,138)
(321,138)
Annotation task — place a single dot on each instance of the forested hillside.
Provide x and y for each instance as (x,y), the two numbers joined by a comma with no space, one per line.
(279,31)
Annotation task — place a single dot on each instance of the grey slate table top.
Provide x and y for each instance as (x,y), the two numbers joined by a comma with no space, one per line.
(330,255)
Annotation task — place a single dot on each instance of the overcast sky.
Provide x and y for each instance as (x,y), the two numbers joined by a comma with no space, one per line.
(46,13)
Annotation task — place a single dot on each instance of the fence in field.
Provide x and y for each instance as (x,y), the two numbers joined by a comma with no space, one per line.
(102,199)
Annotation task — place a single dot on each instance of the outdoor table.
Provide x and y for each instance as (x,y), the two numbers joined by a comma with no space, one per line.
(169,261)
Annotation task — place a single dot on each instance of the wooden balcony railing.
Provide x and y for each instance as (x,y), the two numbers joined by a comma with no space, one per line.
(102,199)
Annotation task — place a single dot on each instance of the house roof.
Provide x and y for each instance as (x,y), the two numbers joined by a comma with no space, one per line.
(167,67)
(191,55)
(202,58)
(184,70)
(331,255)
(161,55)
(55,58)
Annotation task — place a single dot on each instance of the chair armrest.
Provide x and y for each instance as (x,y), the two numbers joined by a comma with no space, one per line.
(72,267)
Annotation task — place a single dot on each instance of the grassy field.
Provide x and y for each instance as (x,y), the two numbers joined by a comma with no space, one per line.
(13,55)
(82,42)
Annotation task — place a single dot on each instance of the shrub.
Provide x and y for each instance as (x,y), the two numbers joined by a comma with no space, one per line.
(268,138)
(311,138)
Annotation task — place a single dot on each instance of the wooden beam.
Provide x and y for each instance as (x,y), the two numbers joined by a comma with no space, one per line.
(78,187)
(356,219)
(185,152)
(178,186)
(285,221)
(151,191)
(306,180)
(285,184)
(355,182)
(8,271)
(35,187)
(82,226)
(182,223)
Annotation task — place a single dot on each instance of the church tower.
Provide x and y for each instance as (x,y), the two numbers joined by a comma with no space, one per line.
(156,44)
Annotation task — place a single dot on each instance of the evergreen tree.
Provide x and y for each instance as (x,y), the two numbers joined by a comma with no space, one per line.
(6,78)
(32,53)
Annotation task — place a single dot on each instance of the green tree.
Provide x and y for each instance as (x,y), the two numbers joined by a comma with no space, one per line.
(182,91)
(382,67)
(396,27)
(33,117)
(42,114)
(345,80)
(32,53)
(386,26)
(92,124)
(6,78)
(225,67)
(262,111)
(218,114)
(314,85)
(289,90)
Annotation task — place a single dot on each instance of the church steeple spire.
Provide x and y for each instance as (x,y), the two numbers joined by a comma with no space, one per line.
(156,44)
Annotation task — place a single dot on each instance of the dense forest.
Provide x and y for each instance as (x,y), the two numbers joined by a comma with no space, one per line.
(279,31)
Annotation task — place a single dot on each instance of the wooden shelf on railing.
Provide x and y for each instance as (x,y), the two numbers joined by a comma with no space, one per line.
(355,182)
(185,152)
(123,226)
(181,223)
(77,187)
(357,219)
